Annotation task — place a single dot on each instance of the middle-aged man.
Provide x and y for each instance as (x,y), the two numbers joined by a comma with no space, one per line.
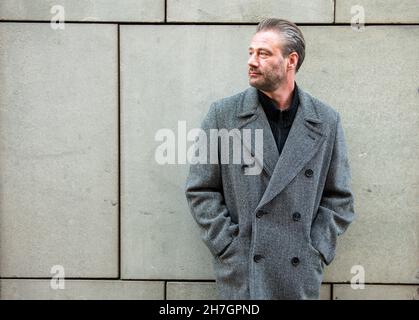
(272,233)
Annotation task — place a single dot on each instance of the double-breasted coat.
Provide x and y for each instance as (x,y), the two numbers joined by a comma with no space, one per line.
(271,234)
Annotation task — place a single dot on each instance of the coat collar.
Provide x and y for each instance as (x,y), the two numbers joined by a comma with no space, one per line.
(304,139)
(250,105)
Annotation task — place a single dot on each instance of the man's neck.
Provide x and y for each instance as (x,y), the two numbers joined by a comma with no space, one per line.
(282,96)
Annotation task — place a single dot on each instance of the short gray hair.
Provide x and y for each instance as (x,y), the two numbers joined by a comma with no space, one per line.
(292,35)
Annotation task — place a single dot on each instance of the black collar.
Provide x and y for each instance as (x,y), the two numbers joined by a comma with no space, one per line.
(285,117)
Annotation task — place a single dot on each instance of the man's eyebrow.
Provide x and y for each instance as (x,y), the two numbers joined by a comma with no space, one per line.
(260,49)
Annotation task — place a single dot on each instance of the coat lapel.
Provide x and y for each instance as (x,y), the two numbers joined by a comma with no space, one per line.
(304,139)
(251,116)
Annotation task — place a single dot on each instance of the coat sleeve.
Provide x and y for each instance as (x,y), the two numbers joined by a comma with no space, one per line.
(336,210)
(204,194)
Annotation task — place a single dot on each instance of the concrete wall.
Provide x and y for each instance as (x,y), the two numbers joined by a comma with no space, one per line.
(80,107)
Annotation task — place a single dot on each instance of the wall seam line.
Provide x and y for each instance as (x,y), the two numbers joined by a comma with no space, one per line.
(334,11)
(119,152)
(308,24)
(165,11)
(192,280)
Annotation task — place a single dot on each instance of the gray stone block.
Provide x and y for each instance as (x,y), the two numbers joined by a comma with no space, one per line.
(191,291)
(378,11)
(208,291)
(317,11)
(59,150)
(361,75)
(168,74)
(84,10)
(26,289)
(376,292)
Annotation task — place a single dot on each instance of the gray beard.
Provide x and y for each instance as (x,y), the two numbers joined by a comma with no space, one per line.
(268,85)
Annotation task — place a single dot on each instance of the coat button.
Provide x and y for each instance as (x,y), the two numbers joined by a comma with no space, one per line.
(257,258)
(260,213)
(309,173)
(296,216)
(295,261)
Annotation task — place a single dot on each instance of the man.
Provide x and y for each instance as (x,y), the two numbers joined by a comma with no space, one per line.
(271,234)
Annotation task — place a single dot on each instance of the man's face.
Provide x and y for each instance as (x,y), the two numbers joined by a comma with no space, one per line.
(267,66)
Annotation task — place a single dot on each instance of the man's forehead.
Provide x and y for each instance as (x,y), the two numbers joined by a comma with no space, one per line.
(265,39)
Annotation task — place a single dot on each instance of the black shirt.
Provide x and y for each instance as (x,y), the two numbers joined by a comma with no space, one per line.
(280,121)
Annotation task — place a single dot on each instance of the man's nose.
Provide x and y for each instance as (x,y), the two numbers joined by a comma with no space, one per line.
(253,62)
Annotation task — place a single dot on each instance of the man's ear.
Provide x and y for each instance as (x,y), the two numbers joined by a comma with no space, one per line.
(293,60)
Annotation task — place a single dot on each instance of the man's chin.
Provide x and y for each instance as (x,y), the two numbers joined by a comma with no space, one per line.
(262,85)
(254,84)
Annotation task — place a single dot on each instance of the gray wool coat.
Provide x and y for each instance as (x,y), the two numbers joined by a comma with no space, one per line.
(271,234)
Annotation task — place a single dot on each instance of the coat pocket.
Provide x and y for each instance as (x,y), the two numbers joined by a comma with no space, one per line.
(317,253)
(229,251)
